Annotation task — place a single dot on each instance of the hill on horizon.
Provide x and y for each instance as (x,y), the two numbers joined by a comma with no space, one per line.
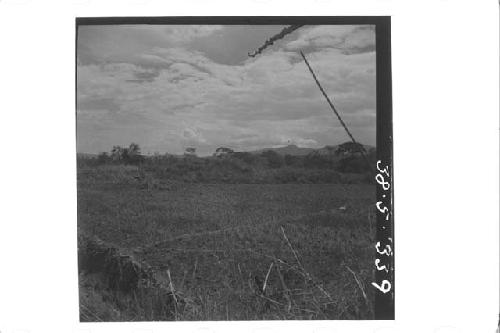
(302,151)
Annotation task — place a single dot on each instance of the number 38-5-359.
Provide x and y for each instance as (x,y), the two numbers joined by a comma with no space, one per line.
(383,252)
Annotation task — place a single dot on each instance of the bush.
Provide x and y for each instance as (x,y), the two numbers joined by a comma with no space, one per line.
(317,161)
(353,164)
(246,157)
(274,160)
(291,160)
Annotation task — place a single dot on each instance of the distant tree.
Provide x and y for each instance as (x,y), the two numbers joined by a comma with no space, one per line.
(190,151)
(352,160)
(288,159)
(353,164)
(223,151)
(274,160)
(245,156)
(117,153)
(102,158)
(133,154)
(134,149)
(349,148)
(331,150)
(292,160)
(315,161)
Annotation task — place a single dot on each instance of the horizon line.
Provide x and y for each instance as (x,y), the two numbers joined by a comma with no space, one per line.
(210,154)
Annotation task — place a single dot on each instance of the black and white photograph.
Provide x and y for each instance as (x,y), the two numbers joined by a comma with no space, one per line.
(230,172)
(253,167)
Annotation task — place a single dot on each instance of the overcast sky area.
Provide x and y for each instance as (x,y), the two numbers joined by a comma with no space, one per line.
(169,87)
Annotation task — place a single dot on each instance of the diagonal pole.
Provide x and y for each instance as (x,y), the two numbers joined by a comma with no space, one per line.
(363,151)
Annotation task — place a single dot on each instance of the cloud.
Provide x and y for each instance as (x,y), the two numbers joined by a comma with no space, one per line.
(193,136)
(347,38)
(97,103)
(168,95)
(124,43)
(186,33)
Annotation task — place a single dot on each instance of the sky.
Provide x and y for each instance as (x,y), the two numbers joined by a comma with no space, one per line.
(169,87)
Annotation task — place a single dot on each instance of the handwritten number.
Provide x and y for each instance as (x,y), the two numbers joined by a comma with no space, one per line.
(382,210)
(384,287)
(381,268)
(387,251)
(385,170)
(383,179)
(380,179)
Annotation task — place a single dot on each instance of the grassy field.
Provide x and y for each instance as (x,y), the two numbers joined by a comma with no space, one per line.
(229,251)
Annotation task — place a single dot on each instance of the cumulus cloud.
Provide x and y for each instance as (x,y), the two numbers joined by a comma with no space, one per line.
(193,136)
(124,43)
(186,33)
(348,38)
(168,95)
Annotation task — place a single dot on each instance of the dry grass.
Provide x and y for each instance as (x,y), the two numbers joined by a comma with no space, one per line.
(233,252)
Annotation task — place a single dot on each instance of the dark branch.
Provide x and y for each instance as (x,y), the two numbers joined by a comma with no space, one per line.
(274,38)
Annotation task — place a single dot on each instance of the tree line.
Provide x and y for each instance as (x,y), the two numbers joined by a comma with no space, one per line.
(345,158)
